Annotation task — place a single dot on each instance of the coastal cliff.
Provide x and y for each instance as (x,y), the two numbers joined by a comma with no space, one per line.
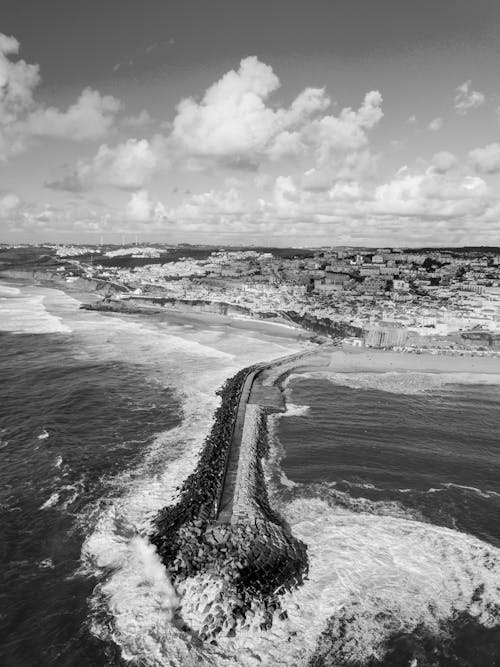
(136,304)
(52,278)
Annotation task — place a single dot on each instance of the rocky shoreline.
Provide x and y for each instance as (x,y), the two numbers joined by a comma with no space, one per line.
(254,557)
(51,278)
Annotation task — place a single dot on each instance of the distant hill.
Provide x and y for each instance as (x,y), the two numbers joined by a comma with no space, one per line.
(27,257)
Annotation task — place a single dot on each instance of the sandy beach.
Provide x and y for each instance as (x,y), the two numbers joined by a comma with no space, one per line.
(330,360)
(384,361)
(195,317)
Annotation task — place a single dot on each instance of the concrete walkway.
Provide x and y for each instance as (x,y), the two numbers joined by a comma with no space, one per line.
(253,392)
(225,507)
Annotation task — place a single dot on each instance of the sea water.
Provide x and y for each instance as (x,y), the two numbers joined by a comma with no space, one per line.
(393,481)
(101,418)
(103,415)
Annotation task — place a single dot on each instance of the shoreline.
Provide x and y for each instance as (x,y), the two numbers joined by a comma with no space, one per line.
(366,360)
(172,316)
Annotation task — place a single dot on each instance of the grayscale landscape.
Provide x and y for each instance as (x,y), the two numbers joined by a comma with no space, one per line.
(249,333)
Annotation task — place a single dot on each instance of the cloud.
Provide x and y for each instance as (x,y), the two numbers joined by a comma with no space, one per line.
(127,166)
(435,125)
(340,143)
(18,80)
(486,160)
(21,117)
(9,204)
(140,120)
(430,195)
(212,206)
(232,118)
(444,161)
(89,118)
(233,124)
(411,205)
(141,209)
(467,99)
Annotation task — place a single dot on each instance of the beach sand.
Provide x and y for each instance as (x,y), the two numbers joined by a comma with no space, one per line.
(383,361)
(197,318)
(330,360)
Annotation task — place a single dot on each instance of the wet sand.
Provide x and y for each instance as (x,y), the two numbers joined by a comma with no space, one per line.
(384,361)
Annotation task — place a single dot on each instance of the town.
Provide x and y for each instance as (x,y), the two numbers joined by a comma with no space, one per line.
(387,297)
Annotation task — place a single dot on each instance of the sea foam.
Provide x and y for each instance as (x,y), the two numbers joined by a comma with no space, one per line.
(116,548)
(24,311)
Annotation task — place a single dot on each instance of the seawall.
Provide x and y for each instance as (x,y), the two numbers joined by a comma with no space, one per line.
(243,545)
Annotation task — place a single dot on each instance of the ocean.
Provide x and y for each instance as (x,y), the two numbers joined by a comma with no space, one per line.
(393,484)
(393,481)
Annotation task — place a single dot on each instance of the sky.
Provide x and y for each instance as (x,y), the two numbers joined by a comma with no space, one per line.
(331,122)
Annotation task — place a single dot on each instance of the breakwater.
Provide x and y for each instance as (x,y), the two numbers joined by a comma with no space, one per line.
(243,562)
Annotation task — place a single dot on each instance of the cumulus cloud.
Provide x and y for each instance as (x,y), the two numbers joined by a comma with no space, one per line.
(9,204)
(128,166)
(486,160)
(89,118)
(430,195)
(234,124)
(418,206)
(411,205)
(444,161)
(21,117)
(435,125)
(18,80)
(232,118)
(140,120)
(142,209)
(467,99)
(341,142)
(212,209)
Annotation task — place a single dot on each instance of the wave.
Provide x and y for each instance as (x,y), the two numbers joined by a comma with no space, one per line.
(24,311)
(489,493)
(472,489)
(377,569)
(387,574)
(369,577)
(8,291)
(130,608)
(64,496)
(293,410)
(50,502)
(369,563)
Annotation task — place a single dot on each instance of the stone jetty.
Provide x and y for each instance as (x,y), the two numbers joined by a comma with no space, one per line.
(223,526)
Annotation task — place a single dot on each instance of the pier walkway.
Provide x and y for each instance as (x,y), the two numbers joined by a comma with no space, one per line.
(253,392)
